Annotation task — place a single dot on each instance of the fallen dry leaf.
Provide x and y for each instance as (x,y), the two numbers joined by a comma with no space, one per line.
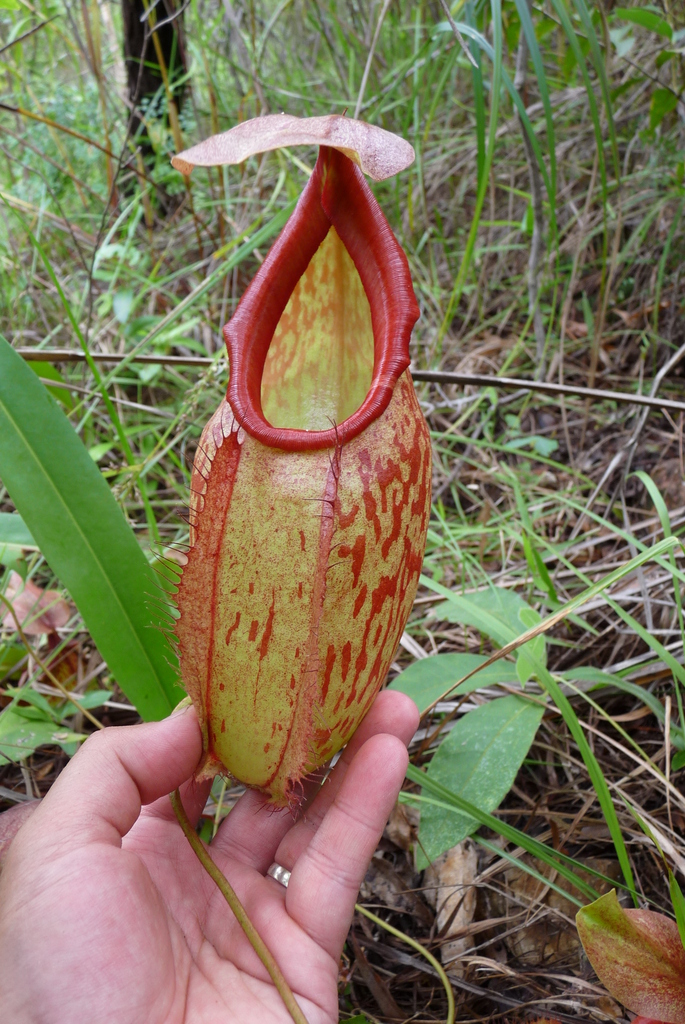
(10,823)
(385,885)
(403,826)
(548,939)
(38,611)
(448,886)
(576,329)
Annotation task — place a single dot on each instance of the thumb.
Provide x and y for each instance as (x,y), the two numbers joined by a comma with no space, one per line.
(98,796)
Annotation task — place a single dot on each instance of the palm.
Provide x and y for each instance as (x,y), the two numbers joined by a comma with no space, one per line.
(136,933)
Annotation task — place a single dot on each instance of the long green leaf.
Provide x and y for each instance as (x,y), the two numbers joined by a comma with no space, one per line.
(646,19)
(664,519)
(562,14)
(678,901)
(600,69)
(478,96)
(70,511)
(471,33)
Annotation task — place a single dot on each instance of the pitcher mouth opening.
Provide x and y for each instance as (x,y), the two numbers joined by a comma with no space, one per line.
(337,211)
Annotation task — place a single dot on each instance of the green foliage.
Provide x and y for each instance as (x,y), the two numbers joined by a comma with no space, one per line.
(493,614)
(479,759)
(440,796)
(646,18)
(78,526)
(502,615)
(678,901)
(482,753)
(15,541)
(433,678)
(11,656)
(663,102)
(23,730)
(31,721)
(49,372)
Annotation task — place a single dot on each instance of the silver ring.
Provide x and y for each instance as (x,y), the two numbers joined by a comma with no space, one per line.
(279,874)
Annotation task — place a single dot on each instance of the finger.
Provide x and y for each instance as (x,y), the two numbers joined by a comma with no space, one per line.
(326,878)
(392,713)
(98,796)
(193,796)
(252,831)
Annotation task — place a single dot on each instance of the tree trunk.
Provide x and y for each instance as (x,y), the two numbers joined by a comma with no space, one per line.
(151,86)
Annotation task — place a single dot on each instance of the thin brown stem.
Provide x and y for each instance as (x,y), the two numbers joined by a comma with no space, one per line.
(238,909)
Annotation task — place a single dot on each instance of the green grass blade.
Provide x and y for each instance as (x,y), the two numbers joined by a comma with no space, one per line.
(560,8)
(534,49)
(226,265)
(69,509)
(496,9)
(483,44)
(600,69)
(452,801)
(602,679)
(554,690)
(664,519)
(478,97)
(599,783)
(521,865)
(678,901)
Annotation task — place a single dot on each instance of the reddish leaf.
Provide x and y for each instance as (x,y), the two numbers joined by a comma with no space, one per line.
(380,154)
(638,956)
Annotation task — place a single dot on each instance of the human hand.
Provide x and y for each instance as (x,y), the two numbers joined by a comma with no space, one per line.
(106,915)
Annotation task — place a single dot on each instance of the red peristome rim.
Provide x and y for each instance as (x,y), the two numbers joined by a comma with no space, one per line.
(336,195)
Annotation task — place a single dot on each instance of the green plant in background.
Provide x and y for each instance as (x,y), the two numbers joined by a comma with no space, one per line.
(30,721)
(481,756)
(15,542)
